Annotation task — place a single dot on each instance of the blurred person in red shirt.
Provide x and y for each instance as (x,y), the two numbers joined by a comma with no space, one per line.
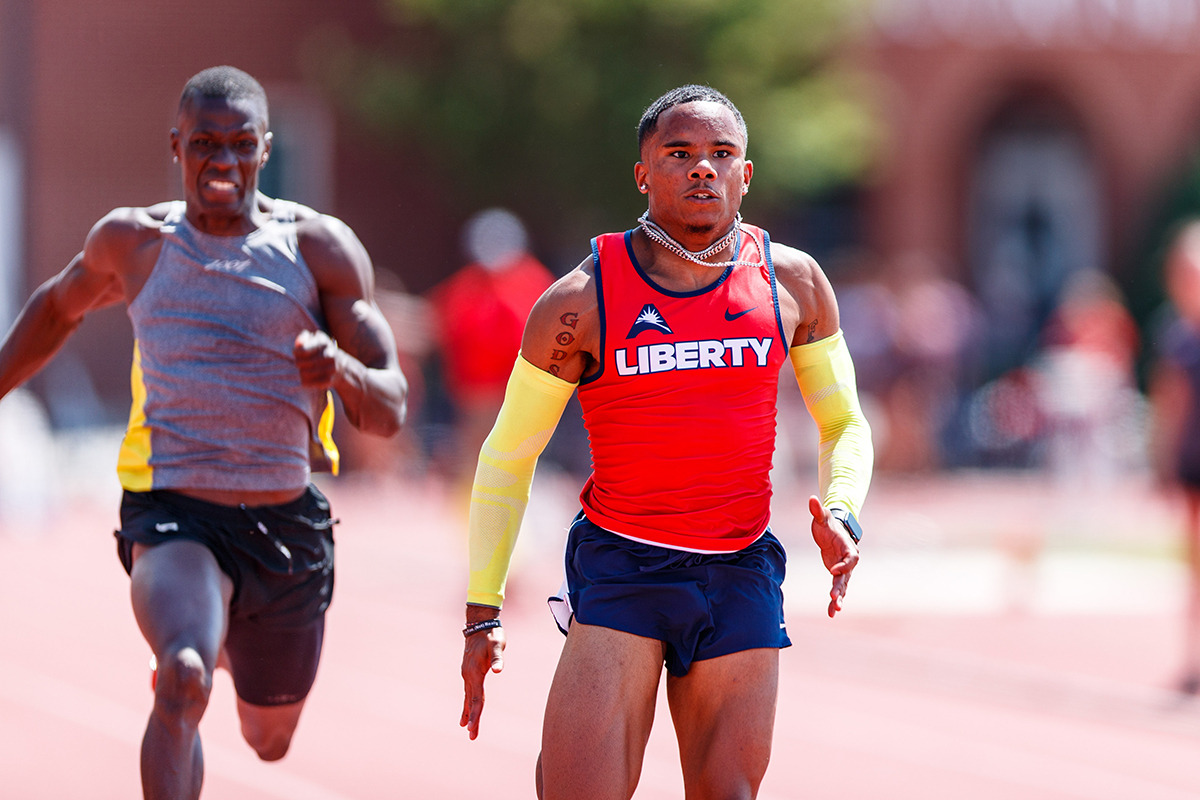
(480,314)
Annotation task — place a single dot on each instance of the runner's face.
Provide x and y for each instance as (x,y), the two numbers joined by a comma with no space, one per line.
(221,145)
(694,170)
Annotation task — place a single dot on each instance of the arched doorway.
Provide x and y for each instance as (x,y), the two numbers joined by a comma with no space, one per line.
(1035,217)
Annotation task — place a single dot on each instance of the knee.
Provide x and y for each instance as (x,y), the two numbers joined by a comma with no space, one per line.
(272,749)
(270,738)
(183,685)
(270,745)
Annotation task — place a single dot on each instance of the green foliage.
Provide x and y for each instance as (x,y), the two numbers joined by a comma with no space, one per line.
(533,103)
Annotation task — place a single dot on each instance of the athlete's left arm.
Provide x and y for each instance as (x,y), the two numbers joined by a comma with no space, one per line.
(825,374)
(356,356)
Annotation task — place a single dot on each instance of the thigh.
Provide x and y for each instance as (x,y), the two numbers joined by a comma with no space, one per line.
(180,598)
(724,715)
(599,713)
(273,666)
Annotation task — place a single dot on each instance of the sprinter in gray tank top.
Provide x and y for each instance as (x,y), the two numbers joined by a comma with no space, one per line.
(248,313)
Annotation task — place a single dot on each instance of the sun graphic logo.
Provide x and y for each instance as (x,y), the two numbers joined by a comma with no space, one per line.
(650,319)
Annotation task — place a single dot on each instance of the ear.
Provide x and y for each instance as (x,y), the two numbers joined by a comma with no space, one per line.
(175,145)
(639,177)
(747,173)
(267,139)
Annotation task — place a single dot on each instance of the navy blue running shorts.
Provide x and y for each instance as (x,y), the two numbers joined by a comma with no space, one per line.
(280,559)
(700,605)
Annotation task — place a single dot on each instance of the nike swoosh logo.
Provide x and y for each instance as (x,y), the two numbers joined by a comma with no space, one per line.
(732,317)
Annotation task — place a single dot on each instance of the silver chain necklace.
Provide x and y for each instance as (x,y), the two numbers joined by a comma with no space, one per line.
(664,240)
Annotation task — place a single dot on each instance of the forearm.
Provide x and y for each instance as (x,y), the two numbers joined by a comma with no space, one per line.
(375,400)
(533,404)
(845,462)
(825,374)
(37,334)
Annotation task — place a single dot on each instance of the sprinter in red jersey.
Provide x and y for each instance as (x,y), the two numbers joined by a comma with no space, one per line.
(673,333)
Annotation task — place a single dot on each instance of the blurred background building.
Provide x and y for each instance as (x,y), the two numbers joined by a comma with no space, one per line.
(1029,144)
(957,167)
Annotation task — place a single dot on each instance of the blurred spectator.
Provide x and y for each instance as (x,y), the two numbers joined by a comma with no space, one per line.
(1003,421)
(912,334)
(1086,386)
(480,314)
(937,325)
(1175,443)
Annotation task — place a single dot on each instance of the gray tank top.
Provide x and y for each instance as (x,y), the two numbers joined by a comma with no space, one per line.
(217,400)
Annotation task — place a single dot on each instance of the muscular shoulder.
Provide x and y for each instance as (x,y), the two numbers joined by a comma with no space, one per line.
(575,290)
(563,330)
(300,210)
(131,222)
(806,296)
(573,295)
(317,230)
(795,269)
(123,231)
(338,260)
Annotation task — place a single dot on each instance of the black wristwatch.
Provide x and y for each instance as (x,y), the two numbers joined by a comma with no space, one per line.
(849,521)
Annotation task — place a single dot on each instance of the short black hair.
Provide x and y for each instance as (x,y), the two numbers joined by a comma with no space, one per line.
(692,93)
(228,83)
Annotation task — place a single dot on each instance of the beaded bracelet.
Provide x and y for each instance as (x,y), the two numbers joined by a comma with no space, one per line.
(482,625)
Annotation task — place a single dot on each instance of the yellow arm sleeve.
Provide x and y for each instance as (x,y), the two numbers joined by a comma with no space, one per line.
(533,404)
(826,377)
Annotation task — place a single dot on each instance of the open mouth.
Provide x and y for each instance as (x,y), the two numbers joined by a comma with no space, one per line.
(221,186)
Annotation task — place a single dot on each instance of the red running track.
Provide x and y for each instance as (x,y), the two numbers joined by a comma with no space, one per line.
(980,707)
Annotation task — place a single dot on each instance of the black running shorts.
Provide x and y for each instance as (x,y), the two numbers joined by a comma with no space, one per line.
(280,559)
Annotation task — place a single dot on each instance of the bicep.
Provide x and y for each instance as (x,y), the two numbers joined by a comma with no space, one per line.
(824,320)
(82,286)
(807,302)
(359,328)
(561,331)
(346,286)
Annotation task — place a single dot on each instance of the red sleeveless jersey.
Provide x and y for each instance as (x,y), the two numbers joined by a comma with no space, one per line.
(681,414)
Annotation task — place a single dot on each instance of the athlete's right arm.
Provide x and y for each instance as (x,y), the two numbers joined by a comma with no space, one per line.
(94,279)
(556,350)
